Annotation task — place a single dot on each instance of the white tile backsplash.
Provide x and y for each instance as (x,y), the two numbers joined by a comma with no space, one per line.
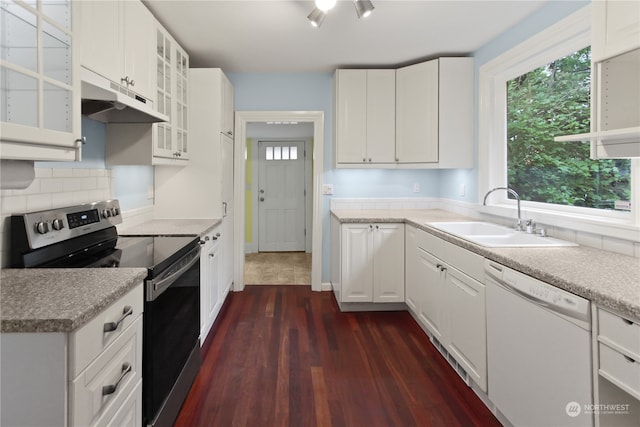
(53,188)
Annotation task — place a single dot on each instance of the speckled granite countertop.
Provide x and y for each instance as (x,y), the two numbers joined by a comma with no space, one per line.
(60,300)
(609,279)
(169,227)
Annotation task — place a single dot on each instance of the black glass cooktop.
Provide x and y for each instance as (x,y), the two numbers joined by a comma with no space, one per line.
(152,252)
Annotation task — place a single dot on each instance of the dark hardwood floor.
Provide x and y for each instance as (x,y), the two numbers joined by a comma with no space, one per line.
(286,356)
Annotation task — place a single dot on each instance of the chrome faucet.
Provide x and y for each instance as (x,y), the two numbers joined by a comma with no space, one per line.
(509,190)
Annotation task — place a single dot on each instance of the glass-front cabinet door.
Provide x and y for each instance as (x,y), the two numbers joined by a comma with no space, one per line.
(171,138)
(182,73)
(40,86)
(163,141)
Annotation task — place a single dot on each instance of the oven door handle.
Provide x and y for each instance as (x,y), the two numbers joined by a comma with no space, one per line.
(156,288)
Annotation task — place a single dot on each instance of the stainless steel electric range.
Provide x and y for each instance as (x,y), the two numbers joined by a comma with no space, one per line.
(85,236)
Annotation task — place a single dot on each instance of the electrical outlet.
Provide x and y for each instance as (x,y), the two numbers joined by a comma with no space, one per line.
(416,187)
(327,189)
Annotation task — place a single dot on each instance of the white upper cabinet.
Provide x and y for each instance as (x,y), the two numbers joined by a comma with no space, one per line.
(226,123)
(615,55)
(616,28)
(40,95)
(434,113)
(417,113)
(420,116)
(172,67)
(118,39)
(365,117)
(165,143)
(615,94)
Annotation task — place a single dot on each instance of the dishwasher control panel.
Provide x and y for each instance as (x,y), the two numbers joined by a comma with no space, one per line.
(546,295)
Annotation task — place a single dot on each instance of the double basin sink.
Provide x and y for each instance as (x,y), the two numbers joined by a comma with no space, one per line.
(497,236)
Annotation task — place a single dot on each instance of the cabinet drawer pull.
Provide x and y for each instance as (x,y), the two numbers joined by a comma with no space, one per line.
(626,322)
(628,359)
(111,388)
(112,326)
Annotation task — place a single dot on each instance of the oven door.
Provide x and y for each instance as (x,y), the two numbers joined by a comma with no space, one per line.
(171,338)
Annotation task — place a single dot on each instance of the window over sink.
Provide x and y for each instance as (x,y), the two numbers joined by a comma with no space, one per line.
(519,118)
(552,100)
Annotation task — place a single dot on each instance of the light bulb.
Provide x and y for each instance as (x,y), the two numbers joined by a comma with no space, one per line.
(325,5)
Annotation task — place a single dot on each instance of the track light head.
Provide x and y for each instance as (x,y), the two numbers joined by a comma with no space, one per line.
(316,17)
(363,8)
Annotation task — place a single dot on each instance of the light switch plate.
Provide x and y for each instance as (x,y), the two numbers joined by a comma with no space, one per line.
(327,189)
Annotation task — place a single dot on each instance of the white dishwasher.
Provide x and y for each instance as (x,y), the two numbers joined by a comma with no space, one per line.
(538,350)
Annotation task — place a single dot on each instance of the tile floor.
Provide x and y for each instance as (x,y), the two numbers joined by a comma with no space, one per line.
(277,268)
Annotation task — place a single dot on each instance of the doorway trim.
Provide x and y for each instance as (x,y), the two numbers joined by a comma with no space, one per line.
(242,118)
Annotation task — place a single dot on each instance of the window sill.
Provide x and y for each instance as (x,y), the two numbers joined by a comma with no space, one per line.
(614,227)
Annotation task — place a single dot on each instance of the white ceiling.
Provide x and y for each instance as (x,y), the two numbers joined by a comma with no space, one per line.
(275,36)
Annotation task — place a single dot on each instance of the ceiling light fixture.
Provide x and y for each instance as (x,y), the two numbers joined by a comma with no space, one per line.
(363,8)
(317,17)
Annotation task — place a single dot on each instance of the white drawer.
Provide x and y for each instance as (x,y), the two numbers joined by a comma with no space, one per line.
(86,343)
(119,366)
(471,263)
(620,370)
(619,332)
(130,413)
(429,243)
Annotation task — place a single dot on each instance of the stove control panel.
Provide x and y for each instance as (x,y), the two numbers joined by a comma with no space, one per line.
(44,228)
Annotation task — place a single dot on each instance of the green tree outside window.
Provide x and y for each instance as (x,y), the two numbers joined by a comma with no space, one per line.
(550,101)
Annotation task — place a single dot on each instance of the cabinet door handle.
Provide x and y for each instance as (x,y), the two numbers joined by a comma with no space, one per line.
(111,388)
(626,322)
(112,326)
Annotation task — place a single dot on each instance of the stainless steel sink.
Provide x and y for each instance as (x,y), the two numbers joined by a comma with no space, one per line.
(497,236)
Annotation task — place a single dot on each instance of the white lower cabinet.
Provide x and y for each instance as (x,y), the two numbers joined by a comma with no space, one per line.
(371,263)
(212,287)
(616,368)
(447,301)
(432,310)
(88,377)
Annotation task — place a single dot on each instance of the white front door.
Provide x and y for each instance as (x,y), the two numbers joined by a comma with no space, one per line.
(281,196)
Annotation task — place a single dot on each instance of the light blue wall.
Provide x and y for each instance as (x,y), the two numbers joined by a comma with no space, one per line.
(93,151)
(547,15)
(130,183)
(313,91)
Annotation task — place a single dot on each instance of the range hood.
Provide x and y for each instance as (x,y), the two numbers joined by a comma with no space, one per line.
(109,102)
